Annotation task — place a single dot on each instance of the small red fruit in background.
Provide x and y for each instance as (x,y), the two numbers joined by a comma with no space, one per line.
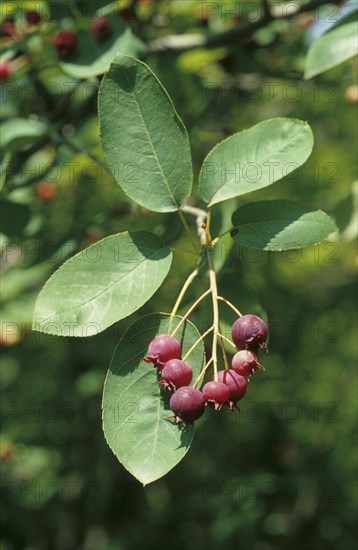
(7,29)
(216,393)
(66,43)
(33,17)
(175,374)
(101,27)
(46,191)
(245,363)
(161,349)
(5,70)
(236,384)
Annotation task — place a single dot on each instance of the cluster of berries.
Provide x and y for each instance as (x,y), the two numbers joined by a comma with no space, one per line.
(66,41)
(249,334)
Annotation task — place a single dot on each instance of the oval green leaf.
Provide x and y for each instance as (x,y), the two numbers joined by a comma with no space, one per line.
(331,49)
(254,158)
(104,283)
(135,408)
(280,225)
(94,57)
(145,142)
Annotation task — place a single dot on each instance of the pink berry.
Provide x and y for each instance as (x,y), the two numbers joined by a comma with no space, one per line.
(188,404)
(175,374)
(245,363)
(163,348)
(5,70)
(101,27)
(217,393)
(236,384)
(249,332)
(66,43)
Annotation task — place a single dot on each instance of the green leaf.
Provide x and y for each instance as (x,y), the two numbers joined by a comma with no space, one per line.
(331,49)
(14,217)
(17,132)
(104,283)
(94,57)
(145,142)
(254,158)
(280,225)
(135,408)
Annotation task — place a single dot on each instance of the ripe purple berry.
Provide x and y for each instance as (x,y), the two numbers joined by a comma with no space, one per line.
(66,43)
(101,27)
(188,404)
(236,384)
(33,17)
(217,393)
(249,332)
(245,363)
(175,374)
(163,348)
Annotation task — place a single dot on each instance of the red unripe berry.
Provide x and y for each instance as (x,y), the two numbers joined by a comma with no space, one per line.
(66,43)
(249,332)
(5,70)
(188,404)
(101,27)
(7,29)
(163,348)
(236,384)
(175,374)
(33,17)
(217,393)
(46,191)
(245,363)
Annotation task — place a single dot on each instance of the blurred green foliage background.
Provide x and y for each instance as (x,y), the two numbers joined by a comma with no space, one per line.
(281,473)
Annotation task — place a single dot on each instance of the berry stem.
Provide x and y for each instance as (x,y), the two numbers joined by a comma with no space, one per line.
(224,352)
(203,372)
(227,340)
(190,310)
(222,299)
(188,230)
(217,239)
(197,342)
(214,293)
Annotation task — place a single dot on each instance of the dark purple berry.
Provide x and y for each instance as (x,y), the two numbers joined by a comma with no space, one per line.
(249,332)
(188,404)
(66,43)
(175,374)
(217,393)
(163,348)
(101,27)
(236,384)
(245,363)
(33,17)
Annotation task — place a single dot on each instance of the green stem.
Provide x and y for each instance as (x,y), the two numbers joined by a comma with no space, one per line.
(189,312)
(187,229)
(227,340)
(230,305)
(224,352)
(197,342)
(203,372)
(214,293)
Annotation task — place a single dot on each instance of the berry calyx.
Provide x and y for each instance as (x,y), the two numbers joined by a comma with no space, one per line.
(101,27)
(236,384)
(249,332)
(66,43)
(188,404)
(245,363)
(33,17)
(5,70)
(216,393)
(161,349)
(175,374)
